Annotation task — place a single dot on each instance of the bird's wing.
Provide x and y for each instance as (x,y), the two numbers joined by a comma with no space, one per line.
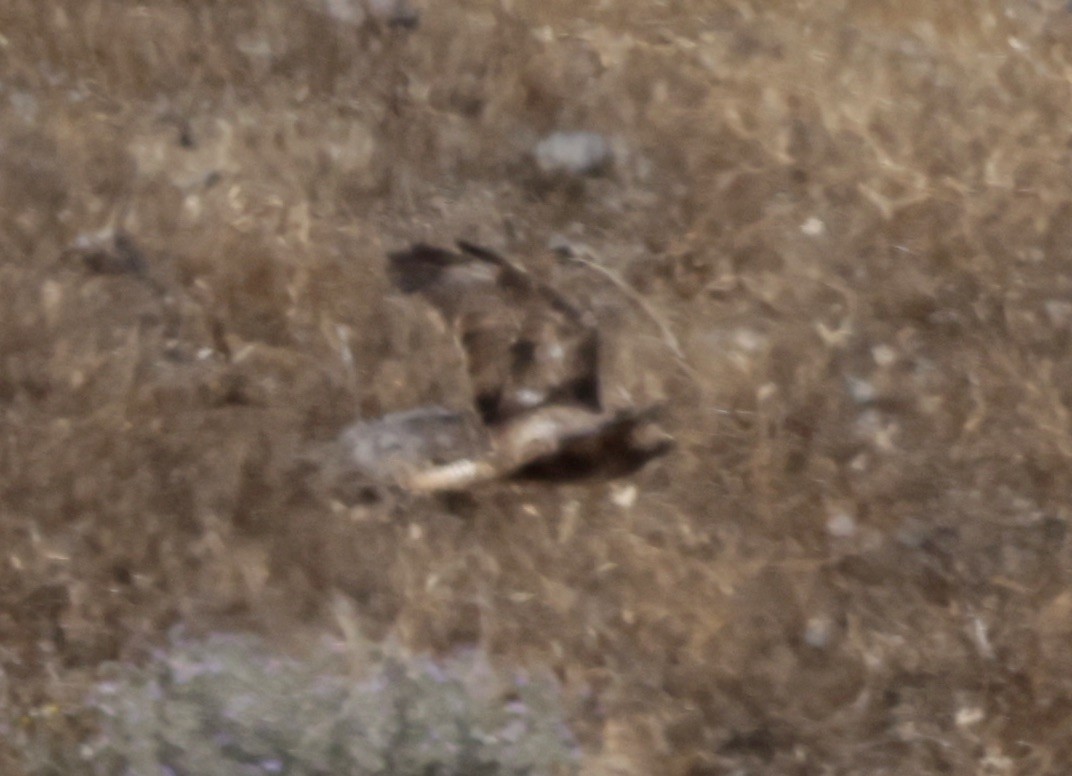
(555,443)
(571,443)
(526,346)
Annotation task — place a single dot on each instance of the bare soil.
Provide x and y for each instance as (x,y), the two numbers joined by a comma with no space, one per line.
(854,222)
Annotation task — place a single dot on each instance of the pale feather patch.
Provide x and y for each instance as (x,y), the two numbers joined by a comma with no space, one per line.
(456,475)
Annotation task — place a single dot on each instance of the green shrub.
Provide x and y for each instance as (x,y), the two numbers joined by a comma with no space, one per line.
(230,706)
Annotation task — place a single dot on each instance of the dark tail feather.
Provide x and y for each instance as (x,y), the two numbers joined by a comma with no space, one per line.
(415,269)
(484,254)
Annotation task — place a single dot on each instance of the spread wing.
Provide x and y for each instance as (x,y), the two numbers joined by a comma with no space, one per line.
(526,346)
(566,443)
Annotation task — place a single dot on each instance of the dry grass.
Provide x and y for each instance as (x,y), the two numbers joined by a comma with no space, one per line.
(856,222)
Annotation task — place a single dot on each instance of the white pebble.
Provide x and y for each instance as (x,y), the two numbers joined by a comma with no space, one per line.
(861,391)
(818,632)
(969,716)
(577,153)
(841,525)
(884,355)
(625,496)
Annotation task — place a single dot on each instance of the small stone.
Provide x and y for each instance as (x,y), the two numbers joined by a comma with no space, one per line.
(818,632)
(565,247)
(625,496)
(968,716)
(24,105)
(575,153)
(545,34)
(813,227)
(861,391)
(913,533)
(766,391)
(748,340)
(1059,312)
(841,525)
(345,11)
(52,301)
(884,355)
(394,13)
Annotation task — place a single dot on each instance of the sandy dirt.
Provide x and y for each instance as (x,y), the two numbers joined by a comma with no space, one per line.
(843,235)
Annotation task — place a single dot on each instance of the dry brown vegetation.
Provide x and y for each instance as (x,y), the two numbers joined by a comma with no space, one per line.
(857,222)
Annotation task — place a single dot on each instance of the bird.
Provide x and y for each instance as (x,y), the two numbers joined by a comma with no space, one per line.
(536,410)
(525,345)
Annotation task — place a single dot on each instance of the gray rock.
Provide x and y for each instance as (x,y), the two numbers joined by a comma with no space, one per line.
(574,153)
(393,13)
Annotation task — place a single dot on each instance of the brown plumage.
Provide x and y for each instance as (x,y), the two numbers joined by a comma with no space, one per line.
(525,345)
(533,364)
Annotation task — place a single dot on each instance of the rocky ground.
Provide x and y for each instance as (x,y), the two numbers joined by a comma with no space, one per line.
(834,238)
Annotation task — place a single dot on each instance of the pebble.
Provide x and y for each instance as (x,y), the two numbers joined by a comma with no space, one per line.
(345,11)
(861,391)
(818,632)
(574,153)
(624,497)
(562,245)
(884,355)
(393,13)
(1059,312)
(841,525)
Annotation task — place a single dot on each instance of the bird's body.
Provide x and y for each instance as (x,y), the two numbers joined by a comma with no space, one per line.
(525,344)
(533,364)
